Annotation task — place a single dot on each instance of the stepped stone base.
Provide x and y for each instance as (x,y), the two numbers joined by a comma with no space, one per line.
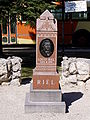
(44,101)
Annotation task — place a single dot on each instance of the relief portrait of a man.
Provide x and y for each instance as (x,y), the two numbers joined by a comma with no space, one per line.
(46,47)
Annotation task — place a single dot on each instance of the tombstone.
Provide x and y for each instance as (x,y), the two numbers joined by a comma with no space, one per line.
(45,93)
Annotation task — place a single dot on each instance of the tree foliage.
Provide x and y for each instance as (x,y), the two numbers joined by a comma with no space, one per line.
(31,9)
(5,7)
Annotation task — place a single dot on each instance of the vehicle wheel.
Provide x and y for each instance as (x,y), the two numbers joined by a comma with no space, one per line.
(81,38)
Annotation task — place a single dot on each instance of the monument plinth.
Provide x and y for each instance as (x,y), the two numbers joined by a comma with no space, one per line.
(45,94)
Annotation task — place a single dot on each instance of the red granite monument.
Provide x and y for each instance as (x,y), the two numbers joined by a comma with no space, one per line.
(45,74)
(45,93)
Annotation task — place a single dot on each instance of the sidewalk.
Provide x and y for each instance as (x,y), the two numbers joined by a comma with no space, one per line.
(12,99)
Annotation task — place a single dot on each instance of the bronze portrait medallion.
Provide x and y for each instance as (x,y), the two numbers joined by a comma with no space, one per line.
(46,47)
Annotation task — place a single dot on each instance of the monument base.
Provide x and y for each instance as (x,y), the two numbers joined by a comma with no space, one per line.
(44,101)
(46,80)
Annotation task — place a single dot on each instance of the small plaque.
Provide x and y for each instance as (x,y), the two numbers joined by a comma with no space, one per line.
(46,47)
(75,6)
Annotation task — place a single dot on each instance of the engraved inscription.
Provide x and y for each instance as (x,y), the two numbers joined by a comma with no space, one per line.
(38,82)
(52,82)
(46,60)
(45,82)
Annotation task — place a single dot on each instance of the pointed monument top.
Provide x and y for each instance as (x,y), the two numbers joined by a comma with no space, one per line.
(46,15)
(46,22)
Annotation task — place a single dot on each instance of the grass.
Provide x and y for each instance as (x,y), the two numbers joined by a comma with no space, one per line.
(59,68)
(28,71)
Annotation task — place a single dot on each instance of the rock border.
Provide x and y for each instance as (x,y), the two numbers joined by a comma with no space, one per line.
(10,70)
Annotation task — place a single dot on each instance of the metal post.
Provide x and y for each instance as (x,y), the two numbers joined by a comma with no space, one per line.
(16,27)
(0,41)
(8,28)
(62,28)
(63,11)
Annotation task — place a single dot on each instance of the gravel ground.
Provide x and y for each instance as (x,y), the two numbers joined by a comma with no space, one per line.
(12,100)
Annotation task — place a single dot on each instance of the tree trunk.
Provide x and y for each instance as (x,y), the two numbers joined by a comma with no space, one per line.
(0,41)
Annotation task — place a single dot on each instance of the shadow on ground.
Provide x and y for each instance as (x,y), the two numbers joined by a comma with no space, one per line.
(25,81)
(71,97)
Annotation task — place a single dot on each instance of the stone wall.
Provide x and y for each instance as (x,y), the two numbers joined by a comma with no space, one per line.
(75,71)
(10,70)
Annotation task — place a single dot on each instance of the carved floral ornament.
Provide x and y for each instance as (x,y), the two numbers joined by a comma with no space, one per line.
(53,34)
(46,26)
(46,22)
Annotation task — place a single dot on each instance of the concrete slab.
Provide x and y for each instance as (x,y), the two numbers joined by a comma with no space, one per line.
(44,101)
(37,107)
(48,95)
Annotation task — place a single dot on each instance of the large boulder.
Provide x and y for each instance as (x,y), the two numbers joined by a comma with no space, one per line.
(16,74)
(15,82)
(10,70)
(83,77)
(9,65)
(3,66)
(72,79)
(65,65)
(16,70)
(66,73)
(75,71)
(3,70)
(15,60)
(16,67)
(83,67)
(72,68)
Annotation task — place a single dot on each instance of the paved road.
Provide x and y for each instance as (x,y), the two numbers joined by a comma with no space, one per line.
(28,53)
